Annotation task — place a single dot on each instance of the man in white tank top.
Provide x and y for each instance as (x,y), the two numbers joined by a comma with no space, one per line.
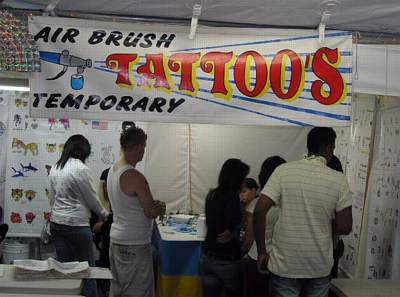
(134,210)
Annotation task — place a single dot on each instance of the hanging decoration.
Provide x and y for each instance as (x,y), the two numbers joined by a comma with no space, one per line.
(18,51)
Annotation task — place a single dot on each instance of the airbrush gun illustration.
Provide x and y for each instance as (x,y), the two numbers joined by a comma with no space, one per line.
(67,60)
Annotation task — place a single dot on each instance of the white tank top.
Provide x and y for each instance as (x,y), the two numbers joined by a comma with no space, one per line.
(130,225)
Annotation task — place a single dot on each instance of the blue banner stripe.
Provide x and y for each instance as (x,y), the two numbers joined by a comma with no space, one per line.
(295,108)
(337,34)
(205,78)
(227,105)
(342,53)
(272,93)
(105,69)
(308,98)
(245,109)
(287,68)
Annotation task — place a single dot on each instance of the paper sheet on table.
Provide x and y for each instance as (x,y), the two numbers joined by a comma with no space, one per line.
(51,264)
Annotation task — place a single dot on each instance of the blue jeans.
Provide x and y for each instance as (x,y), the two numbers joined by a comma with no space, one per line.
(218,275)
(75,244)
(296,287)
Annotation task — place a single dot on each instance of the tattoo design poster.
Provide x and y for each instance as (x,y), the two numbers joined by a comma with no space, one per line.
(356,171)
(33,147)
(383,242)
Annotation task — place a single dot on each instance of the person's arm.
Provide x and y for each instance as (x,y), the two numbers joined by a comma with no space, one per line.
(102,194)
(84,184)
(133,183)
(264,204)
(249,234)
(52,194)
(270,196)
(343,214)
(343,221)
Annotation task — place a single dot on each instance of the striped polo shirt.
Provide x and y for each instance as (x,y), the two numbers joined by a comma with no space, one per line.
(308,194)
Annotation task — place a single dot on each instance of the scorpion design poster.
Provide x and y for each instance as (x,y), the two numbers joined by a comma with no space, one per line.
(34,145)
(150,72)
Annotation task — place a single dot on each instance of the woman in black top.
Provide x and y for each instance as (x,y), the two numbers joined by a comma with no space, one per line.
(221,269)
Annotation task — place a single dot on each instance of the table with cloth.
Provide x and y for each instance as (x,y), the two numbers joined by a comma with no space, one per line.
(179,254)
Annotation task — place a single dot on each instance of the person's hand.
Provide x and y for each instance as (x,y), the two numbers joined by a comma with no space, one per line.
(262,263)
(156,208)
(97,227)
(225,236)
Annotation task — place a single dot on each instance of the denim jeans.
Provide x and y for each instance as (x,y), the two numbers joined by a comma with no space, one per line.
(75,244)
(296,287)
(257,283)
(218,275)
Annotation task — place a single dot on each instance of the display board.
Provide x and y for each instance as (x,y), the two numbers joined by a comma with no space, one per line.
(382,253)
(357,166)
(33,147)
(342,145)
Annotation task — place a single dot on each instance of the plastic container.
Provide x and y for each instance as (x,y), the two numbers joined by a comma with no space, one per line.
(181,218)
(14,250)
(201,228)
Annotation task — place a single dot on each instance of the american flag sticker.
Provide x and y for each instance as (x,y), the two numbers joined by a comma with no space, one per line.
(99,125)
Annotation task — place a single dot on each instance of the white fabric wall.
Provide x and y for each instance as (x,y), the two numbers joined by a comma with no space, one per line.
(376,69)
(168,159)
(166,163)
(212,145)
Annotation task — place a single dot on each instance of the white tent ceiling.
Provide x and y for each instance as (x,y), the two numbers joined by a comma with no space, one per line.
(378,16)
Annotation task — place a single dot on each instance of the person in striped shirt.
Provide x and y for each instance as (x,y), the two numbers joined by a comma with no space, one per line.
(310,197)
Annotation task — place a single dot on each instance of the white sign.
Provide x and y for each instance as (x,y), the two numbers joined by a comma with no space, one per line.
(120,71)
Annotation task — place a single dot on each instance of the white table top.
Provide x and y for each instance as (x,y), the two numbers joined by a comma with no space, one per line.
(170,233)
(51,287)
(34,295)
(365,287)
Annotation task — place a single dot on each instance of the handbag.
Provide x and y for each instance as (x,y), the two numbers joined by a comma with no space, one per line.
(45,235)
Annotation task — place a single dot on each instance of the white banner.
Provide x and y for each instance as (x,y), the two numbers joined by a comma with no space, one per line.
(143,72)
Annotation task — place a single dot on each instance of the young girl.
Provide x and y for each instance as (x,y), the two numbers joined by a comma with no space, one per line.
(72,197)
(257,284)
(247,195)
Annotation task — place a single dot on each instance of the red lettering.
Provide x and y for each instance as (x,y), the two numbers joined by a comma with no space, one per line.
(184,63)
(154,69)
(242,74)
(324,67)
(278,75)
(124,64)
(216,63)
